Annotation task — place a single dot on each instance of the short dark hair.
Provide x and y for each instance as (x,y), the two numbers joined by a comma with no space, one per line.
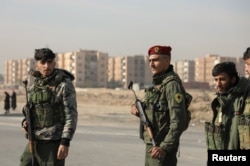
(246,54)
(44,54)
(227,67)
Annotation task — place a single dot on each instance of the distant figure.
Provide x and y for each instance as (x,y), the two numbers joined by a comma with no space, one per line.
(6,102)
(13,100)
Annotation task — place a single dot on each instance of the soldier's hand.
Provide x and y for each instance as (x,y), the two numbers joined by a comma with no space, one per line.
(62,152)
(134,110)
(25,127)
(157,152)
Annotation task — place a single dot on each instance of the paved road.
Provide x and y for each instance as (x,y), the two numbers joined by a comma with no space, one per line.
(100,145)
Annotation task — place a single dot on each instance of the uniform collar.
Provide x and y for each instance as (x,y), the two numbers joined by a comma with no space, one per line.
(157,79)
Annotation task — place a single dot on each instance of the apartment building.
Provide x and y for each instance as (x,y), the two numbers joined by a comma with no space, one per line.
(16,71)
(23,70)
(88,66)
(11,72)
(124,69)
(185,69)
(92,68)
(200,66)
(115,71)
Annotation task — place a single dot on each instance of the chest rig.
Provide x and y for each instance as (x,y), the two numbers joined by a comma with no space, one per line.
(156,108)
(47,110)
(156,105)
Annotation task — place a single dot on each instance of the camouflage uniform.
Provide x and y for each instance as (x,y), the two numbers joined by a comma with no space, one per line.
(54,111)
(164,106)
(229,109)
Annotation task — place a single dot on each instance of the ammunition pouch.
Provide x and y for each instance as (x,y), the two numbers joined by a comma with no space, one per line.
(244,131)
(214,136)
(44,115)
(49,133)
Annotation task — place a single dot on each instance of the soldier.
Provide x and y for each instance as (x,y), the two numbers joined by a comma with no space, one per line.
(230,106)
(246,58)
(54,112)
(164,106)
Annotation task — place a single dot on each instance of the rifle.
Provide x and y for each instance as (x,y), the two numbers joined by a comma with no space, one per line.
(142,115)
(28,116)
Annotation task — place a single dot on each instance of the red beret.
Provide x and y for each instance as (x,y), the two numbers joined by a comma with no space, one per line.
(166,50)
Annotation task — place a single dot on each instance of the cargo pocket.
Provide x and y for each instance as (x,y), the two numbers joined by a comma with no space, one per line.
(246,137)
(241,136)
(214,135)
(218,135)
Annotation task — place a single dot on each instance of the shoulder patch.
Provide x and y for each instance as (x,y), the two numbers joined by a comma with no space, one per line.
(178,97)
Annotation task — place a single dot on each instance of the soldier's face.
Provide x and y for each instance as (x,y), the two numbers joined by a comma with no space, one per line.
(223,82)
(45,67)
(247,66)
(159,63)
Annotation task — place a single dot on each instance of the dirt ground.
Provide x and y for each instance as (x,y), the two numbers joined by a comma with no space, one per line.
(110,103)
(113,106)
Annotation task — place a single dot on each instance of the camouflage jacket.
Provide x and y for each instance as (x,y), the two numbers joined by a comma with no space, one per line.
(226,110)
(63,104)
(165,108)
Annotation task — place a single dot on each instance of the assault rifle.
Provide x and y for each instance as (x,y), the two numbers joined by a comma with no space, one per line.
(142,115)
(28,115)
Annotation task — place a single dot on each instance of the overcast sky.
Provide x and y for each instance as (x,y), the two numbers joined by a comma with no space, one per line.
(193,28)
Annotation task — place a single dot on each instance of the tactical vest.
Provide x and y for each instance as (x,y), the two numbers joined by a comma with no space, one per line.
(156,108)
(154,111)
(46,111)
(218,134)
(244,127)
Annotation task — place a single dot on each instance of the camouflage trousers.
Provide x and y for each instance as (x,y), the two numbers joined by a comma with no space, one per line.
(169,160)
(45,154)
